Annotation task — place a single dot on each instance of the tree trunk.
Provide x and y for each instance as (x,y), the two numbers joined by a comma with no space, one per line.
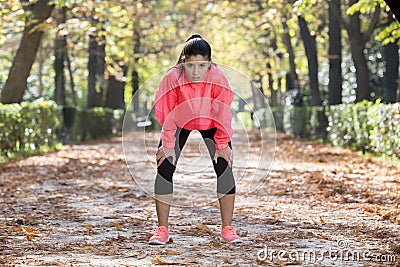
(72,83)
(281,99)
(360,63)
(135,75)
(391,72)
(116,90)
(292,79)
(391,69)
(135,92)
(362,72)
(96,67)
(335,54)
(60,48)
(312,58)
(274,93)
(16,83)
(258,94)
(41,59)
(358,40)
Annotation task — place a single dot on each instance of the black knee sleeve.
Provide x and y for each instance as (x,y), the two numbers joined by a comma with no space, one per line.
(225,180)
(163,184)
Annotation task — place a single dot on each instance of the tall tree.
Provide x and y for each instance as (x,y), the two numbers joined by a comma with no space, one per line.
(274,91)
(16,83)
(135,74)
(292,80)
(391,77)
(312,58)
(335,53)
(60,54)
(358,40)
(96,67)
(116,88)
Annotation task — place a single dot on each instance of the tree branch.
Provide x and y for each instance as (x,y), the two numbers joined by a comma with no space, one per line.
(375,19)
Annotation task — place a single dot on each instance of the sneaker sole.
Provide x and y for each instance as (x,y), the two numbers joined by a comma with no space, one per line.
(157,242)
(235,241)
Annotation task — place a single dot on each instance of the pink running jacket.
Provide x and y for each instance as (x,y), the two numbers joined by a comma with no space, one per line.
(194,106)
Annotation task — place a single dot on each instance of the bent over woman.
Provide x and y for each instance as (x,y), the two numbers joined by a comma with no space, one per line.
(194,95)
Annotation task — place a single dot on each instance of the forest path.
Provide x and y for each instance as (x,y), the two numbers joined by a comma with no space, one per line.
(317,206)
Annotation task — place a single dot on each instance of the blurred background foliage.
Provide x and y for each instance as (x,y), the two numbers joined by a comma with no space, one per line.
(298,53)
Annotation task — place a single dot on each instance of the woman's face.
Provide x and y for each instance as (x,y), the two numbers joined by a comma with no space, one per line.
(196,67)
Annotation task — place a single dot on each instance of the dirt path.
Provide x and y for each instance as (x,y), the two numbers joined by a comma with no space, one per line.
(318,206)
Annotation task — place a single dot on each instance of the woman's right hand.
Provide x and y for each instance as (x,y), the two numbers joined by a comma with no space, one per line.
(163,153)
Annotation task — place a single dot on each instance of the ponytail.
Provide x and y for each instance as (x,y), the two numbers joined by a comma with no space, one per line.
(195,45)
(194,36)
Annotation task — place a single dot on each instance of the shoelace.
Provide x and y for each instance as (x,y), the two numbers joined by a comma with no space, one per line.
(159,232)
(230,229)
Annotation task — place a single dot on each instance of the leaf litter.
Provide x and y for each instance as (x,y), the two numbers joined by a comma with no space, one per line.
(80,207)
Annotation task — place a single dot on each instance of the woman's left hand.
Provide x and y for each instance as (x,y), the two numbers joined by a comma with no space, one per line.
(225,153)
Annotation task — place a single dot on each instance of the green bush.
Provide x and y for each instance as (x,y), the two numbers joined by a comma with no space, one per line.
(366,126)
(370,127)
(384,129)
(95,123)
(305,122)
(28,126)
(278,117)
(32,126)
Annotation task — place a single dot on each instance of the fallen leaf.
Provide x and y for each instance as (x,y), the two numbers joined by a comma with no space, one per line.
(144,255)
(30,237)
(124,189)
(159,261)
(171,252)
(203,227)
(386,215)
(118,226)
(88,226)
(30,232)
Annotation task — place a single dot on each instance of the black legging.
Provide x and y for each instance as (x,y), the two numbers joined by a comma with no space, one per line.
(225,180)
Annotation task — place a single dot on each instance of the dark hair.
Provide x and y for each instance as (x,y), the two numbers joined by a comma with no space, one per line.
(195,45)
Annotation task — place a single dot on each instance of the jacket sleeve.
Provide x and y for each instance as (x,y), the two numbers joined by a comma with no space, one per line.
(222,114)
(165,102)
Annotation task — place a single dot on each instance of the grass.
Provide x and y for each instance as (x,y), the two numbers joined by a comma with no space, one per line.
(13,155)
(391,160)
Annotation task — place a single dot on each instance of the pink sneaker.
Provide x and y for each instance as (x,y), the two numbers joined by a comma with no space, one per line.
(160,237)
(228,234)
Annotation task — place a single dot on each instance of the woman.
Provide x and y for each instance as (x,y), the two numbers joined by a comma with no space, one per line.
(194,95)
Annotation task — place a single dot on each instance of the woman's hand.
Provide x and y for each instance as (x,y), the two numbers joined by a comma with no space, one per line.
(163,153)
(225,153)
